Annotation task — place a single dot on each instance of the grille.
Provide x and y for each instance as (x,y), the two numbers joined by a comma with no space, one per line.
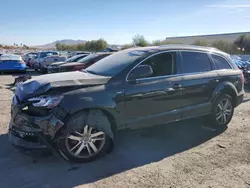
(24,135)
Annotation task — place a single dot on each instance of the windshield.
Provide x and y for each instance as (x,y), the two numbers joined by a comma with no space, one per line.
(115,63)
(76,58)
(11,57)
(88,58)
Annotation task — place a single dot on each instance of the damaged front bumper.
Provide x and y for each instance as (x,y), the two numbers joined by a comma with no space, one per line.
(32,132)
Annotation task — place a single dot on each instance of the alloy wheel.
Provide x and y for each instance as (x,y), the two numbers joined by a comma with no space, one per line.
(85,143)
(224,111)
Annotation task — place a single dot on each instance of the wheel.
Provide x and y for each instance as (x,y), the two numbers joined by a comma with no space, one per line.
(222,111)
(84,143)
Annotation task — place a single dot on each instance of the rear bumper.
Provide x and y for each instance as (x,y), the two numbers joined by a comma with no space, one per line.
(239,99)
(14,70)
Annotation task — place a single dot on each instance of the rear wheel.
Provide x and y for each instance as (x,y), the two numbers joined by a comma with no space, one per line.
(223,110)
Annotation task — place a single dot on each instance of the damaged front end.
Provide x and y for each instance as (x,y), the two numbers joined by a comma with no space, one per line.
(38,112)
(35,122)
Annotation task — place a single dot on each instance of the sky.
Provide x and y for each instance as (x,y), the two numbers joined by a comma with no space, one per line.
(117,21)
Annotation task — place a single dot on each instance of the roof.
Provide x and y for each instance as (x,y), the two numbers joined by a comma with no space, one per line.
(177,47)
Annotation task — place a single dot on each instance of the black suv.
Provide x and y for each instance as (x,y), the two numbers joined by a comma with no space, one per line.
(77,114)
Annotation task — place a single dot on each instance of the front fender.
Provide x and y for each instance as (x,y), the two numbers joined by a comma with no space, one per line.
(79,101)
(223,87)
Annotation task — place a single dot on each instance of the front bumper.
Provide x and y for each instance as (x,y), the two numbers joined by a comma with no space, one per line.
(33,132)
(28,141)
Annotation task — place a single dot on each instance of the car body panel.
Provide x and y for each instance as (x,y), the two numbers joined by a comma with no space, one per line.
(154,98)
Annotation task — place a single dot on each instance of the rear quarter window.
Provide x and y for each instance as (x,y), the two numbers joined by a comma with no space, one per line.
(220,62)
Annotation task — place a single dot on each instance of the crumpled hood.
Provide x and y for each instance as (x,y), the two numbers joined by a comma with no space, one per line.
(41,84)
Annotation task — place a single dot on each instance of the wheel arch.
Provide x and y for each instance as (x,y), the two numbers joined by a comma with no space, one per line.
(109,114)
(225,88)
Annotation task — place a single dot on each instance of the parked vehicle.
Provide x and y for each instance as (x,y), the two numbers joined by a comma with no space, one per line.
(39,63)
(53,59)
(11,63)
(32,61)
(77,114)
(83,63)
(244,66)
(72,54)
(54,67)
(27,57)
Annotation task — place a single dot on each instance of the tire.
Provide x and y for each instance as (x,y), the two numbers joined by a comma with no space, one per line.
(222,111)
(77,146)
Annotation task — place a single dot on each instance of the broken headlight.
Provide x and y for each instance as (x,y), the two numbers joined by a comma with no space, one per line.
(46,101)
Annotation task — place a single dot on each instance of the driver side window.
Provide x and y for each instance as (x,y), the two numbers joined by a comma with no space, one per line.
(162,64)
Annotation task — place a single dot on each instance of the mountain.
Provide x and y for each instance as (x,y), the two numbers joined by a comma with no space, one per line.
(65,41)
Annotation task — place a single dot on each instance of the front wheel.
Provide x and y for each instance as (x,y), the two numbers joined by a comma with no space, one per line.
(222,111)
(84,143)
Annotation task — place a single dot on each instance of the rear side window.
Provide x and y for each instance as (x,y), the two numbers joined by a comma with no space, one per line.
(195,62)
(220,62)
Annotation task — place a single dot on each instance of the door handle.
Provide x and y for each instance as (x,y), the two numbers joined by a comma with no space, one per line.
(176,86)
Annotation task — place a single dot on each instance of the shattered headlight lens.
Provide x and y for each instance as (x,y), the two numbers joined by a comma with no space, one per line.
(46,101)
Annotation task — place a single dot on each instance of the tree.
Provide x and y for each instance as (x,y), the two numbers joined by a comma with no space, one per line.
(156,43)
(243,43)
(240,41)
(139,40)
(200,43)
(58,46)
(100,45)
(126,46)
(225,46)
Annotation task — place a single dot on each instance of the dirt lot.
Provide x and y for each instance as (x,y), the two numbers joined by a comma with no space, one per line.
(184,154)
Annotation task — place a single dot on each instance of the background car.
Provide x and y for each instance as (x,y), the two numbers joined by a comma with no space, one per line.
(54,67)
(38,63)
(11,63)
(27,57)
(83,63)
(52,59)
(71,54)
(244,66)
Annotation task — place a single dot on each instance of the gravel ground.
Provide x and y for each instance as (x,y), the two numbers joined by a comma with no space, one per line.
(184,154)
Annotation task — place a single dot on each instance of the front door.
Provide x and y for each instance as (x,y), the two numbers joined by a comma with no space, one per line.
(155,99)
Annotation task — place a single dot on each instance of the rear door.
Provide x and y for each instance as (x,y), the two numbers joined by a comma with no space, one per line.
(155,99)
(199,81)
